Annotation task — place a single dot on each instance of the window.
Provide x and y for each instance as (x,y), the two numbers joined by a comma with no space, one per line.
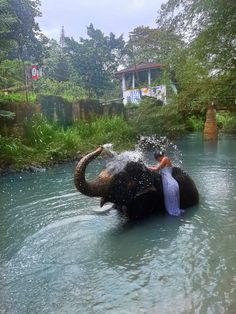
(129,80)
(155,77)
(141,79)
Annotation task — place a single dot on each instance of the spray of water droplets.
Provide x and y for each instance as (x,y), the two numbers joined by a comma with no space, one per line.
(145,143)
(162,143)
(120,160)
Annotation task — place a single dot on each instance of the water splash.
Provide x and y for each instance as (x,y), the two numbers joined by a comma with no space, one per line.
(119,161)
(145,144)
(152,143)
(108,147)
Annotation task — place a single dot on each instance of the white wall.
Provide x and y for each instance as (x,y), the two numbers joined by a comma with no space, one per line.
(133,95)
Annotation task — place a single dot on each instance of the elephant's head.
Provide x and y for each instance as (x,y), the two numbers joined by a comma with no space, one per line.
(120,187)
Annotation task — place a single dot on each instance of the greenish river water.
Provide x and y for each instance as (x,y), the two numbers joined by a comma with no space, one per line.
(58,255)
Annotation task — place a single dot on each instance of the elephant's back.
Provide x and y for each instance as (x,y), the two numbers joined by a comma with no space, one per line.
(188,191)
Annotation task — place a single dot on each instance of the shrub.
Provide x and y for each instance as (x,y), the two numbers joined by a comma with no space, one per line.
(226,121)
(194,123)
(162,120)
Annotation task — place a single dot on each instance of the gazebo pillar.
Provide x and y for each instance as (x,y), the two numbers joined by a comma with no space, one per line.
(123,82)
(149,78)
(133,80)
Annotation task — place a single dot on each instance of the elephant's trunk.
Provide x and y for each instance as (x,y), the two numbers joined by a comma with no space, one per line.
(97,187)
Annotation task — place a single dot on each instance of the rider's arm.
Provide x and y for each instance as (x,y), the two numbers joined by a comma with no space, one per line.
(163,163)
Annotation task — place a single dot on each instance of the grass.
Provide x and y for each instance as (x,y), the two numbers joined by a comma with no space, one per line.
(46,143)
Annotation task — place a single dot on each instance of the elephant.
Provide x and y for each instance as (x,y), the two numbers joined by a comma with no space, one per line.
(134,191)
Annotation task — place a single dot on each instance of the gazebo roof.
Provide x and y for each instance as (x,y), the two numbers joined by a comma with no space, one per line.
(139,67)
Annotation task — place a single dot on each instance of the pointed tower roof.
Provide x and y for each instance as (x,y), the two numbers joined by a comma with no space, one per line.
(62,38)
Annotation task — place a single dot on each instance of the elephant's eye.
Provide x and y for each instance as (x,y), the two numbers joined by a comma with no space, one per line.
(131,184)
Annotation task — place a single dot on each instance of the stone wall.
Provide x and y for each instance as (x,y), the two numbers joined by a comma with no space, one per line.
(22,112)
(58,110)
(114,108)
(85,109)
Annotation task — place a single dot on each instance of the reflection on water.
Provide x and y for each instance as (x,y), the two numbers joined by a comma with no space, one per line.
(59,256)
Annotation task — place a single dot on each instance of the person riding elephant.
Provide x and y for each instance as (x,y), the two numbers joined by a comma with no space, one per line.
(134,190)
(170,185)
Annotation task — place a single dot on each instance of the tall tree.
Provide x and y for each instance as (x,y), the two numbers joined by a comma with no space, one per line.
(96,59)
(7,22)
(205,69)
(18,27)
(56,65)
(210,25)
(151,44)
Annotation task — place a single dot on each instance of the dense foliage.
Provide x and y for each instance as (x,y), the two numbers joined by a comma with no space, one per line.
(95,60)
(210,25)
(152,118)
(204,69)
(20,35)
(147,44)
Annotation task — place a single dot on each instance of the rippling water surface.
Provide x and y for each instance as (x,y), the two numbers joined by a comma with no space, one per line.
(59,255)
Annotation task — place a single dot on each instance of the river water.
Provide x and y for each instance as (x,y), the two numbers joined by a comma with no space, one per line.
(59,255)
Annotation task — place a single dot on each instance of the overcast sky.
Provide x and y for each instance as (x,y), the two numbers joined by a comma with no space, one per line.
(116,16)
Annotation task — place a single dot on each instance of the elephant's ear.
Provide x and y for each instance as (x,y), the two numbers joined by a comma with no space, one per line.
(145,191)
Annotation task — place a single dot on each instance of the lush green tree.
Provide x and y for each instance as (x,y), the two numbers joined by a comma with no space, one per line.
(56,65)
(208,25)
(96,59)
(19,29)
(205,69)
(11,73)
(59,76)
(7,22)
(151,45)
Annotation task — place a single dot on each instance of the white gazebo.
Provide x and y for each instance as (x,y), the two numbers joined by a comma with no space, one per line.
(142,80)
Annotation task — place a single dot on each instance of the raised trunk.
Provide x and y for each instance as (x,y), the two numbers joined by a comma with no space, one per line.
(97,187)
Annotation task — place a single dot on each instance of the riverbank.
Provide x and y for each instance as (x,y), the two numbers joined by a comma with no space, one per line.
(44,144)
(42,167)
(36,167)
